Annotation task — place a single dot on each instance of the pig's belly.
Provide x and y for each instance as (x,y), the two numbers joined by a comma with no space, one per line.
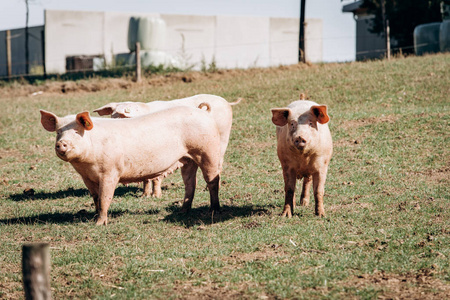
(129,179)
(138,170)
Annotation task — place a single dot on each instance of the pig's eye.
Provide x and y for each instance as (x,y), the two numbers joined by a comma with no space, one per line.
(311,124)
(292,125)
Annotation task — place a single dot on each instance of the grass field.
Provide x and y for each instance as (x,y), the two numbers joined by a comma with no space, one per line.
(387,230)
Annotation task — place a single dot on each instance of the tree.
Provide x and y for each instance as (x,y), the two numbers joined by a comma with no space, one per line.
(403,16)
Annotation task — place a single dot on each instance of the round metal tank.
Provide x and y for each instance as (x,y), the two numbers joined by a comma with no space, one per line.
(426,38)
(150,32)
(444,36)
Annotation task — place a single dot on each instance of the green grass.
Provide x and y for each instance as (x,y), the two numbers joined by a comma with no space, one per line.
(387,230)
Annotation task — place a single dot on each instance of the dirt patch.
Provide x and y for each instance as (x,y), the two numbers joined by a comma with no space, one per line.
(8,153)
(273,251)
(351,124)
(211,290)
(433,176)
(351,204)
(98,84)
(421,285)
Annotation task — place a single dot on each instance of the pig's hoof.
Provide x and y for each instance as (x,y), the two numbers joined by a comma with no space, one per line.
(215,210)
(156,195)
(101,221)
(185,209)
(321,214)
(286,213)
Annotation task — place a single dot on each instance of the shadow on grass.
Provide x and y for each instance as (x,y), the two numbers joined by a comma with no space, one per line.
(82,216)
(70,192)
(203,216)
(197,216)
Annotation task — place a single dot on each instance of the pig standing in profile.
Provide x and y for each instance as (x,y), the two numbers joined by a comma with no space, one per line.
(221,112)
(108,151)
(304,147)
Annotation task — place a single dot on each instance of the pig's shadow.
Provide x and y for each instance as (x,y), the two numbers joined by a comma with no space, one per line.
(69,217)
(82,216)
(28,195)
(196,216)
(53,218)
(203,216)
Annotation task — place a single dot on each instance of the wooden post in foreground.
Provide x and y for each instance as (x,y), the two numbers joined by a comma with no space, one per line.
(36,271)
(138,62)
(8,52)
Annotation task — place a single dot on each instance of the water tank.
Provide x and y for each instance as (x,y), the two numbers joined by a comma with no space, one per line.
(426,38)
(444,36)
(150,32)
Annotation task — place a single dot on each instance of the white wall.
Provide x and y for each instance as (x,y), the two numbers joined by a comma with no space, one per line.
(313,40)
(233,42)
(194,34)
(283,41)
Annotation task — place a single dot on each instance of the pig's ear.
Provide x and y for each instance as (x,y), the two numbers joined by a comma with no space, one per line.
(48,120)
(280,116)
(84,120)
(320,111)
(107,109)
(126,110)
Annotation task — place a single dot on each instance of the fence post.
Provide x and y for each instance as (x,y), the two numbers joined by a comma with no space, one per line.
(36,271)
(386,30)
(8,52)
(301,38)
(43,52)
(138,62)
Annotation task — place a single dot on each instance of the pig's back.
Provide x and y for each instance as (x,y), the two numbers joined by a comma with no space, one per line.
(150,144)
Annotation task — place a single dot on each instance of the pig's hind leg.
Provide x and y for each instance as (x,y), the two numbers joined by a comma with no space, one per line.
(211,174)
(156,184)
(189,174)
(152,187)
(147,188)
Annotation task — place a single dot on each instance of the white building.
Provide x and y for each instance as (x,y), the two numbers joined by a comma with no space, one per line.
(228,41)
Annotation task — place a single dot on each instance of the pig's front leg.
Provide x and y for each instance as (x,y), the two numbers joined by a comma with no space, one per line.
(304,198)
(290,179)
(106,192)
(319,179)
(189,174)
(93,190)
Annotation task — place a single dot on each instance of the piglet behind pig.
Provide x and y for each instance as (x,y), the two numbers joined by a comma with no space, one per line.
(304,147)
(108,151)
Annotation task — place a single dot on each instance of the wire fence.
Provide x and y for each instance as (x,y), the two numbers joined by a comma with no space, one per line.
(119,70)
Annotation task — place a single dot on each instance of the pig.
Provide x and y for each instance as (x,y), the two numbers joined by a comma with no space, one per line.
(106,152)
(221,111)
(304,148)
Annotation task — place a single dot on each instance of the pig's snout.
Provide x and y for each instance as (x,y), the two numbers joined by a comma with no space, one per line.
(300,142)
(62,147)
